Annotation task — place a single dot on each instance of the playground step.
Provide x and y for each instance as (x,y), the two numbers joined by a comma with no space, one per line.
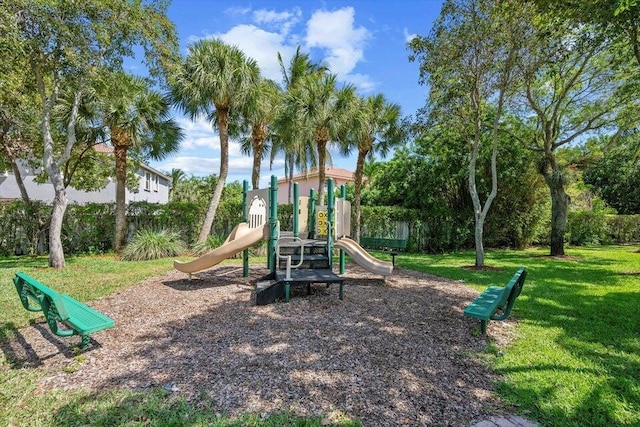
(308,261)
(268,290)
(302,235)
(311,247)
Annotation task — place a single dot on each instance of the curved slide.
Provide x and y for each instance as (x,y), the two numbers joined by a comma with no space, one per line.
(362,257)
(239,239)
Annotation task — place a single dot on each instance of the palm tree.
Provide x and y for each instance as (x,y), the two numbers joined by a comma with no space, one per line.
(290,137)
(376,128)
(215,80)
(325,112)
(259,115)
(177,176)
(137,117)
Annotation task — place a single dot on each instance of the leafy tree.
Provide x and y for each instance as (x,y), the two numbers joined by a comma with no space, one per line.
(323,112)
(469,62)
(618,20)
(215,80)
(259,115)
(66,43)
(376,130)
(614,173)
(137,118)
(290,136)
(570,90)
(177,175)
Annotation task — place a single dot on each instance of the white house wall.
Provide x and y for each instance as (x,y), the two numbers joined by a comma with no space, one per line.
(44,192)
(153,194)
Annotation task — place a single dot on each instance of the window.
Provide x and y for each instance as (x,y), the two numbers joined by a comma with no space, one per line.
(147,181)
(156,184)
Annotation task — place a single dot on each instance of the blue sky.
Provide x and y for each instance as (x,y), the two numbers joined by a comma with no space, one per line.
(363,42)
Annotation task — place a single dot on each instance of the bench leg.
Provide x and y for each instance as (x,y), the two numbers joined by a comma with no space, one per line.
(85,341)
(287,292)
(483,326)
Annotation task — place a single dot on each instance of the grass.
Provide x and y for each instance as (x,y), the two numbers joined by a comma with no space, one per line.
(90,278)
(576,357)
(575,360)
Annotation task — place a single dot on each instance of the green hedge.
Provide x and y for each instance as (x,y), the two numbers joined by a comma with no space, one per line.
(90,228)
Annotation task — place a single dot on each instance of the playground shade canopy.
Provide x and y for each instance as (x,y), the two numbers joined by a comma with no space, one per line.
(363,258)
(240,238)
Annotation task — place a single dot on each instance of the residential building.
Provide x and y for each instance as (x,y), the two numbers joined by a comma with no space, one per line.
(308,180)
(153,187)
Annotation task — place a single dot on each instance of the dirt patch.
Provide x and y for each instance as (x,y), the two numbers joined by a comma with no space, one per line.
(391,353)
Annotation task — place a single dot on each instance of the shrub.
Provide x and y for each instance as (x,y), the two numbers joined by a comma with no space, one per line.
(153,244)
(211,243)
(587,227)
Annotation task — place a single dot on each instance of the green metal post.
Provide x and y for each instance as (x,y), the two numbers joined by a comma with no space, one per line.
(312,214)
(330,216)
(273,224)
(245,218)
(343,196)
(296,208)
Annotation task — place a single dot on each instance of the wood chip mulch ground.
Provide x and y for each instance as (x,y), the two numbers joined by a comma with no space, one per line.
(390,354)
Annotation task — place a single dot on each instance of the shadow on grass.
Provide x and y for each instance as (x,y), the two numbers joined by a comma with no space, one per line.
(20,354)
(591,310)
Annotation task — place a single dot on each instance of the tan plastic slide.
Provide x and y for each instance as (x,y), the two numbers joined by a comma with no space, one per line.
(362,257)
(240,238)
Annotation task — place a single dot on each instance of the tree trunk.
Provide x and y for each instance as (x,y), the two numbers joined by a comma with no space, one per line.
(559,210)
(479,234)
(56,252)
(258,137)
(120,150)
(290,175)
(222,120)
(322,137)
(362,155)
(478,212)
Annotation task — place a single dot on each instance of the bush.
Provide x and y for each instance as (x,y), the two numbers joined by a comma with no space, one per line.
(587,227)
(624,228)
(152,244)
(209,244)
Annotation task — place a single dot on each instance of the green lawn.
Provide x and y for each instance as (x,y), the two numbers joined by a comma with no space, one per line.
(575,360)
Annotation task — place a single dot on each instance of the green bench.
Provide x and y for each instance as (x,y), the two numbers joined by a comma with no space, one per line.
(392,246)
(64,315)
(496,302)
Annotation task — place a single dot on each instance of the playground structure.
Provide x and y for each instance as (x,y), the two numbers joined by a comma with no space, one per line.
(299,257)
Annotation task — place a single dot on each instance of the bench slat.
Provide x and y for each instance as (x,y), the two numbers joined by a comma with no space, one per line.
(485,304)
(378,242)
(60,310)
(496,298)
(83,318)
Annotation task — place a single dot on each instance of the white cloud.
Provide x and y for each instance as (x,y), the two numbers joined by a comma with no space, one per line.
(237,11)
(261,45)
(270,16)
(240,167)
(198,134)
(284,21)
(361,81)
(342,42)
(408,36)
